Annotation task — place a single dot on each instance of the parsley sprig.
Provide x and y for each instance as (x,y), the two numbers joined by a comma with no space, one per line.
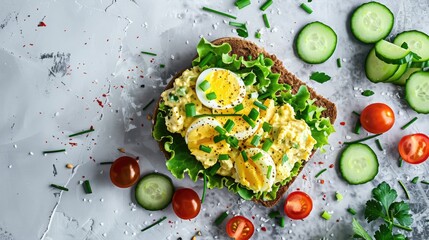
(383,206)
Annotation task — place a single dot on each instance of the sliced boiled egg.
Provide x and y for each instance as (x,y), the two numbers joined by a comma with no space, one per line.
(219,88)
(258,172)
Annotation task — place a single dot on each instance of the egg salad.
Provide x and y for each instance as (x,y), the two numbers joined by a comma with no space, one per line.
(230,131)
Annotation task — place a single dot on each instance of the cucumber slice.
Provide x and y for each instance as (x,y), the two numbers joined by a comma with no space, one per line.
(377,70)
(403,79)
(316,42)
(391,53)
(417,91)
(371,22)
(418,43)
(154,191)
(398,74)
(358,164)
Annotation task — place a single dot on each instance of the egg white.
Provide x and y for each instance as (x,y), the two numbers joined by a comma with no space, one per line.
(201,122)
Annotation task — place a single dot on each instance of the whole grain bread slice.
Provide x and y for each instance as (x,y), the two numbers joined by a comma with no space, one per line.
(246,48)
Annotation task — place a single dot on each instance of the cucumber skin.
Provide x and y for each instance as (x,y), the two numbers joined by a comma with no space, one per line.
(370,78)
(160,175)
(362,182)
(401,61)
(407,90)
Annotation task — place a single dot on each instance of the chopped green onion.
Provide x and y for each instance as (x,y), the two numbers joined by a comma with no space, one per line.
(266,127)
(267,144)
(173,98)
(355,113)
(87,187)
(255,140)
(211,96)
(148,104)
(320,173)
(285,158)
(338,196)
(190,109)
(269,171)
(59,187)
(351,211)
(363,139)
(181,91)
(295,145)
(237,24)
(357,126)
(205,149)
(257,35)
(253,114)
(242,3)
(221,218)
(54,151)
(148,53)
(401,162)
(260,105)
(229,125)
(415,180)
(161,65)
(154,224)
(274,214)
(367,93)
(214,168)
(256,156)
(219,138)
(244,155)
(325,215)
(83,132)
(220,130)
(205,60)
(425,182)
(242,32)
(233,141)
(239,107)
(338,62)
(223,157)
(282,222)
(405,189)
(249,121)
(106,163)
(306,8)
(377,142)
(204,85)
(409,123)
(217,115)
(218,12)
(266,22)
(266,5)
(204,188)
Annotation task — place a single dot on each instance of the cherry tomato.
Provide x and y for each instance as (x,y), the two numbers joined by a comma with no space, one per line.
(377,118)
(125,172)
(298,205)
(186,203)
(414,148)
(239,228)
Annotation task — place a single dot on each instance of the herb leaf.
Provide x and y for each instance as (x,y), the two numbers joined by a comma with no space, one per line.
(385,195)
(367,93)
(401,212)
(373,210)
(320,77)
(384,233)
(359,231)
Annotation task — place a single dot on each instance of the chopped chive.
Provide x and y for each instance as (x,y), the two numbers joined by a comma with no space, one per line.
(409,123)
(161,65)
(320,173)
(266,127)
(405,189)
(256,156)
(267,144)
(54,151)
(274,214)
(357,127)
(220,130)
(269,171)
(148,104)
(244,155)
(338,196)
(285,158)
(205,149)
(211,96)
(377,142)
(223,157)
(363,139)
(242,32)
(148,53)
(229,125)
(282,222)
(190,109)
(239,107)
(219,13)
(295,145)
(59,187)
(221,218)
(266,22)
(237,24)
(415,180)
(255,140)
(306,8)
(338,62)
(249,121)
(257,35)
(351,211)
(401,162)
(355,113)
(233,141)
(204,188)
(154,224)
(325,215)
(260,105)
(266,5)
(205,60)
(367,93)
(217,115)
(87,187)
(253,114)
(204,85)
(106,163)
(214,168)
(425,182)
(83,132)
(219,138)
(242,3)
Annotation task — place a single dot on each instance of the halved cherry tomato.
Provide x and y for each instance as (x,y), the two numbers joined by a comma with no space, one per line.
(377,118)
(298,205)
(186,203)
(239,228)
(414,148)
(125,172)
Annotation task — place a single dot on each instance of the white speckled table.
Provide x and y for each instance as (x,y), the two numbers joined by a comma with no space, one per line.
(82,68)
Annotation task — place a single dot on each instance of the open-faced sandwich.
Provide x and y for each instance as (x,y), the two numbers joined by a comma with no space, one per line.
(241,119)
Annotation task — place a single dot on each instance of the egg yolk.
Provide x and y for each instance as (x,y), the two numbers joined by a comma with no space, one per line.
(250,174)
(224,85)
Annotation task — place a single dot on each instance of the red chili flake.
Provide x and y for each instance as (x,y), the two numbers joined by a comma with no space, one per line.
(320,163)
(41,24)
(104,95)
(122,86)
(331,166)
(73,144)
(342,123)
(100,103)
(264,229)
(298,189)
(322,181)
(304,177)
(253,217)
(338,220)
(141,76)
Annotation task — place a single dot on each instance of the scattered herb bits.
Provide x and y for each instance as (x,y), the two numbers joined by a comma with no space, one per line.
(154,224)
(87,187)
(306,8)
(242,3)
(266,21)
(351,211)
(148,53)
(59,187)
(320,77)
(325,215)
(367,93)
(91,129)
(266,5)
(219,12)
(221,218)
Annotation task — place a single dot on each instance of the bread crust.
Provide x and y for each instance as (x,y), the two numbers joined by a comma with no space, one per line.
(245,48)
